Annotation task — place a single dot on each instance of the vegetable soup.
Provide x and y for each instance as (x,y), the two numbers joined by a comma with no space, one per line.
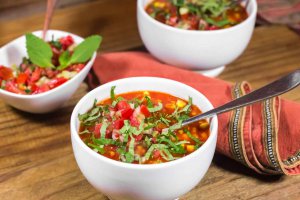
(197,14)
(142,127)
(49,65)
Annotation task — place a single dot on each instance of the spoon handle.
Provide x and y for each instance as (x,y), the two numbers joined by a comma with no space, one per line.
(273,89)
(48,17)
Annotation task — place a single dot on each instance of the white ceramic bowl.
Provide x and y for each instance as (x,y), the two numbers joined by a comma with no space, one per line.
(13,52)
(121,181)
(202,50)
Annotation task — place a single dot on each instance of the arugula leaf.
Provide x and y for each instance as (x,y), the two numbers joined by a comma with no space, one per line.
(103,129)
(39,52)
(96,148)
(156,108)
(187,107)
(84,51)
(193,138)
(129,157)
(112,93)
(149,102)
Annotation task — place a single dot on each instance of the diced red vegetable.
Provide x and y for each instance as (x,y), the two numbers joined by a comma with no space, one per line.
(122,105)
(66,41)
(145,111)
(126,113)
(11,87)
(36,75)
(22,78)
(97,130)
(5,73)
(56,82)
(118,124)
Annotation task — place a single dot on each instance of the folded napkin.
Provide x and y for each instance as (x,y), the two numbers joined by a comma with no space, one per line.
(279,12)
(264,136)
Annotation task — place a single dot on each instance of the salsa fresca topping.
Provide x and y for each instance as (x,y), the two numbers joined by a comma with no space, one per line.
(49,65)
(197,14)
(142,127)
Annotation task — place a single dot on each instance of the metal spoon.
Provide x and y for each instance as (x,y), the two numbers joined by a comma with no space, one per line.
(273,89)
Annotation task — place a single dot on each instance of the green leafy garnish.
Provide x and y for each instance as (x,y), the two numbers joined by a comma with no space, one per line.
(39,52)
(85,49)
(64,59)
(112,93)
(82,53)
(103,129)
(156,108)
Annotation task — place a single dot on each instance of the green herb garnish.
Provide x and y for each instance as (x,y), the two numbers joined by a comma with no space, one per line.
(39,52)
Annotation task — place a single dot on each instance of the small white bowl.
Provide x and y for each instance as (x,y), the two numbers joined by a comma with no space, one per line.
(193,49)
(120,181)
(13,52)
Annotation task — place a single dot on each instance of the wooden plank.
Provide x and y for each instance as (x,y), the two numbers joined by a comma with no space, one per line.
(11,10)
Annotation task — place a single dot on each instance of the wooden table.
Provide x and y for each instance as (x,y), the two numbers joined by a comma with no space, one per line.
(36,159)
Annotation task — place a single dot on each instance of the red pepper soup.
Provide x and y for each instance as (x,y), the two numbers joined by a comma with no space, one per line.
(197,14)
(142,127)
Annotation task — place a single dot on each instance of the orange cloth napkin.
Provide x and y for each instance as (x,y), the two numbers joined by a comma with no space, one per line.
(264,136)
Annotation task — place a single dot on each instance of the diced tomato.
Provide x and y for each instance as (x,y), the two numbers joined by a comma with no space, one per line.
(34,89)
(118,124)
(28,71)
(76,67)
(56,82)
(97,130)
(11,87)
(50,73)
(122,105)
(156,154)
(145,111)
(134,121)
(43,88)
(22,78)
(211,28)
(36,74)
(66,41)
(126,113)
(139,137)
(5,73)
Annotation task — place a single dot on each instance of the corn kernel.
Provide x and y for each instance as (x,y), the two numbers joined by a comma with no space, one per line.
(146,93)
(183,145)
(112,154)
(159,4)
(203,124)
(190,148)
(193,113)
(180,103)
(180,131)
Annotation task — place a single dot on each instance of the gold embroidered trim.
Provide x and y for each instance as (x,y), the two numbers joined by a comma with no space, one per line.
(235,129)
(269,135)
(292,159)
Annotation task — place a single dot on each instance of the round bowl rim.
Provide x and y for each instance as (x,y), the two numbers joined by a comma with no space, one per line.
(219,31)
(75,135)
(49,92)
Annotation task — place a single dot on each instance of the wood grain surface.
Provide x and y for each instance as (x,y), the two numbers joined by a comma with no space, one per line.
(36,159)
